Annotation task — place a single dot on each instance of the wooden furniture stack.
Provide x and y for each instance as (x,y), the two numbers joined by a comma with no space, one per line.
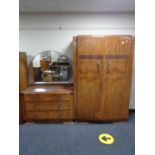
(102,77)
(102,71)
(23,81)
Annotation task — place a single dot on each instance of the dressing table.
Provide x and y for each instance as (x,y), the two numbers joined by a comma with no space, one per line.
(49,97)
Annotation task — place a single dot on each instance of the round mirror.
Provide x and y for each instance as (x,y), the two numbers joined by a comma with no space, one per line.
(51,66)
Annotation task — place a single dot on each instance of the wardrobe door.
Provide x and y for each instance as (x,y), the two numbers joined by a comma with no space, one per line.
(89,76)
(117,78)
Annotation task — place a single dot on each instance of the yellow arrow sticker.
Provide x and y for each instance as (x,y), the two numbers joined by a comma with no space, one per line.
(106,138)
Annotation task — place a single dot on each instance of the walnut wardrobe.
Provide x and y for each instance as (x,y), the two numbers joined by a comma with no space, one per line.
(102,67)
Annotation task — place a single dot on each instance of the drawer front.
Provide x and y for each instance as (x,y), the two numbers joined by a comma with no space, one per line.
(48,107)
(29,106)
(52,106)
(29,115)
(52,115)
(46,97)
(59,105)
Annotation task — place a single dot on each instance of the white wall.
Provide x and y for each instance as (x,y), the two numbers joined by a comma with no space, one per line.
(39,32)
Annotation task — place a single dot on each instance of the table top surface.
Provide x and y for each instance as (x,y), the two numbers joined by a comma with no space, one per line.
(48,90)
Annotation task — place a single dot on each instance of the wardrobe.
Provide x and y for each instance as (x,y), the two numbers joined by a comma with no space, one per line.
(102,71)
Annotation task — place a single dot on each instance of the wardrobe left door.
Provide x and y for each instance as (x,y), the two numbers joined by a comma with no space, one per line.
(89,77)
(23,81)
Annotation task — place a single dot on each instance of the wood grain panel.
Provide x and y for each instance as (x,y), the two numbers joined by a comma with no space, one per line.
(21,101)
(90,45)
(48,106)
(115,99)
(23,71)
(89,76)
(117,44)
(46,97)
(75,74)
(44,115)
(116,83)
(23,82)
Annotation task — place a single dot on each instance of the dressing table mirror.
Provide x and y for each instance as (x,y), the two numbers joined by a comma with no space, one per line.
(51,67)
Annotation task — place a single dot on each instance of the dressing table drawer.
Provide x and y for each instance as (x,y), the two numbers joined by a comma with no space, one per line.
(50,107)
(57,105)
(46,97)
(47,115)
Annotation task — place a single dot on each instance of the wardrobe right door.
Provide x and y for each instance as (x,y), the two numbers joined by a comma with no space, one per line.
(117,73)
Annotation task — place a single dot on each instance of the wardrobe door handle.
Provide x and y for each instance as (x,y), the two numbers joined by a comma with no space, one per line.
(99,64)
(108,68)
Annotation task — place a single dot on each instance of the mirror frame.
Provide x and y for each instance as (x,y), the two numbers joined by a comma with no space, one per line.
(31,72)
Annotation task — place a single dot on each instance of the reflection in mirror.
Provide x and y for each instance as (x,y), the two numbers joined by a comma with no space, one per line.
(51,66)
